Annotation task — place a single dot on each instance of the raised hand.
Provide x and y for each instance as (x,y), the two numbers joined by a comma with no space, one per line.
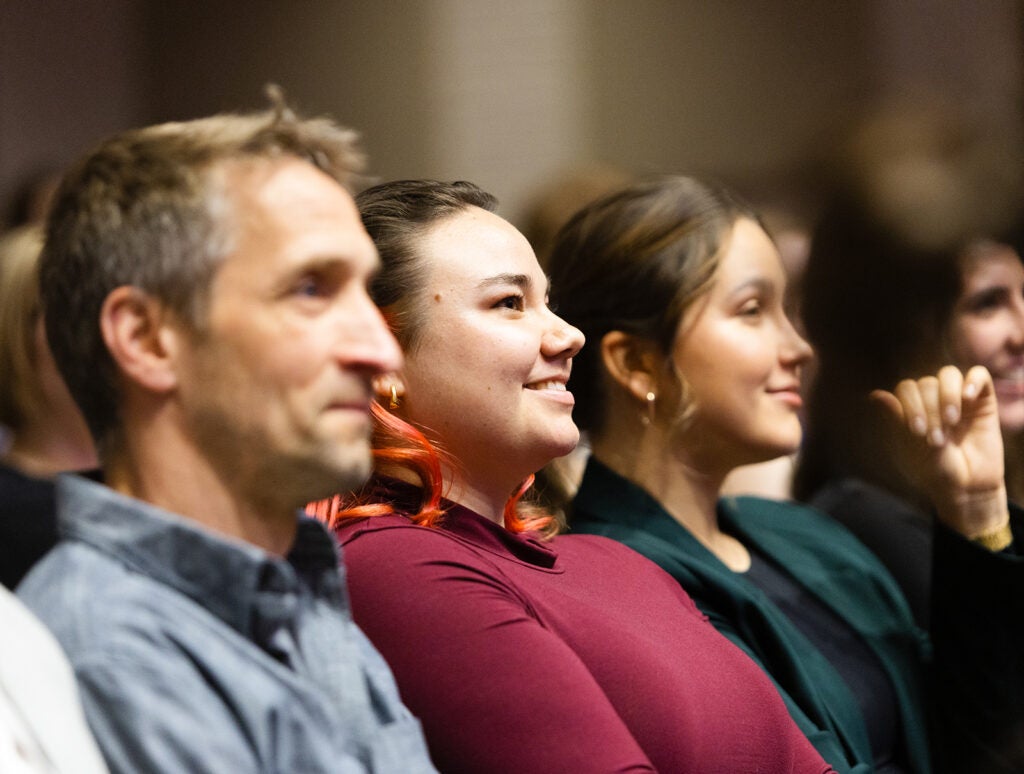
(955,447)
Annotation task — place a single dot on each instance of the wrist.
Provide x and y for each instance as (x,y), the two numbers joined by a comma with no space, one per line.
(981,516)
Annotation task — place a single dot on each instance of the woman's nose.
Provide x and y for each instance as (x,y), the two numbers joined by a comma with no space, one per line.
(1016,332)
(797,349)
(563,339)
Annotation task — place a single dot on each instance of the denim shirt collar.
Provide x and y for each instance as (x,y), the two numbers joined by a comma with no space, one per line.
(238,582)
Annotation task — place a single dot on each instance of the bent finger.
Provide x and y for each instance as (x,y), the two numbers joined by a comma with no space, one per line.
(915,415)
(890,403)
(951,387)
(928,388)
(977,384)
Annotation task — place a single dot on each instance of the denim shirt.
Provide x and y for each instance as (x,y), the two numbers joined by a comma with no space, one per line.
(198,653)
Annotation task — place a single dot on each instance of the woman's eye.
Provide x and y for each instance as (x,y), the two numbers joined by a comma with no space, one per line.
(514,302)
(751,309)
(986,302)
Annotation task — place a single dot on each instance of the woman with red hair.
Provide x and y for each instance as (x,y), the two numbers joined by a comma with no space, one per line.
(520,651)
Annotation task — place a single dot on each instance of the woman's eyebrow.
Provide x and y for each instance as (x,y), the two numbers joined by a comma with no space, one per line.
(760,284)
(519,280)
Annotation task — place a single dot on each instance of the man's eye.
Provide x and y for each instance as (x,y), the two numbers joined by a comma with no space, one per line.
(309,287)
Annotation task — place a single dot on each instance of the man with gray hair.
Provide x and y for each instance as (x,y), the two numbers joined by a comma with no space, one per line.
(204,286)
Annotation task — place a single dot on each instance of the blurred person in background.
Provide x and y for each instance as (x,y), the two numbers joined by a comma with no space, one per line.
(30,202)
(42,727)
(546,212)
(914,263)
(964,305)
(45,431)
(557,201)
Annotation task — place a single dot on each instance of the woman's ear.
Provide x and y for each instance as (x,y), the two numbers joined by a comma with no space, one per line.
(134,328)
(632,362)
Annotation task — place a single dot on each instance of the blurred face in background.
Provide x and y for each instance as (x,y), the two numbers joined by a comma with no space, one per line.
(988,325)
(54,391)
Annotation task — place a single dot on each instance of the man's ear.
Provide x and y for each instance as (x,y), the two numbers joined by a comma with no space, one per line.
(135,329)
(632,362)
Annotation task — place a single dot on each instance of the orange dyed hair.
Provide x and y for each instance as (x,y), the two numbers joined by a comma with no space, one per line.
(397,443)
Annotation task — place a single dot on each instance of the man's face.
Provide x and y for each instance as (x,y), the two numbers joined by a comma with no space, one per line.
(275,388)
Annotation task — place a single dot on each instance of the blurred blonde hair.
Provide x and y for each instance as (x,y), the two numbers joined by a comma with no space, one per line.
(20,389)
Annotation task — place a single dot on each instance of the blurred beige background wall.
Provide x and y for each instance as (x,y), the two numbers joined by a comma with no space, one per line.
(508,94)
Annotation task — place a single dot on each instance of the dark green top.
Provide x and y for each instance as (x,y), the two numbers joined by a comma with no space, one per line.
(827,561)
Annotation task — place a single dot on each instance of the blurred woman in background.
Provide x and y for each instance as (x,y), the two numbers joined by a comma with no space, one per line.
(914,263)
(44,431)
(879,309)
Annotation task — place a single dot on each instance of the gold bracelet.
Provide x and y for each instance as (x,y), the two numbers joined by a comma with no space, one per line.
(996,540)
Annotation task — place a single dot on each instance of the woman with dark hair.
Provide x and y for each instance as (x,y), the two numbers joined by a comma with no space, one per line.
(880,305)
(520,652)
(693,369)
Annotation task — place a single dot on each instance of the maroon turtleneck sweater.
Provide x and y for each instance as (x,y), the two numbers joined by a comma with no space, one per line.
(575,655)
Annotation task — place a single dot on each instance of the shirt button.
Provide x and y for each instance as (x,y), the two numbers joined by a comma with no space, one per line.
(289,604)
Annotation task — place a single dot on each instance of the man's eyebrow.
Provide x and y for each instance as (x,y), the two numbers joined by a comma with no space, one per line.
(326,263)
(519,280)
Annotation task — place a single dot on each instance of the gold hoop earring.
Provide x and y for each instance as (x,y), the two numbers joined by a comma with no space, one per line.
(648,418)
(393,403)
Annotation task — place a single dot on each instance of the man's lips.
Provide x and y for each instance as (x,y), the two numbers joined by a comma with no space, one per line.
(356,405)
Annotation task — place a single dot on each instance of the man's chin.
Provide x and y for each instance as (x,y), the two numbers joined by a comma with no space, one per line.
(349,472)
(306,479)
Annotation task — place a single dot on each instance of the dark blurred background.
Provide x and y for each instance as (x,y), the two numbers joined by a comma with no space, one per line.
(514,94)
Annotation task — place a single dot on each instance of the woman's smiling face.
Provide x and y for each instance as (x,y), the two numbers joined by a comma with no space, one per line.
(988,325)
(486,377)
(740,358)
